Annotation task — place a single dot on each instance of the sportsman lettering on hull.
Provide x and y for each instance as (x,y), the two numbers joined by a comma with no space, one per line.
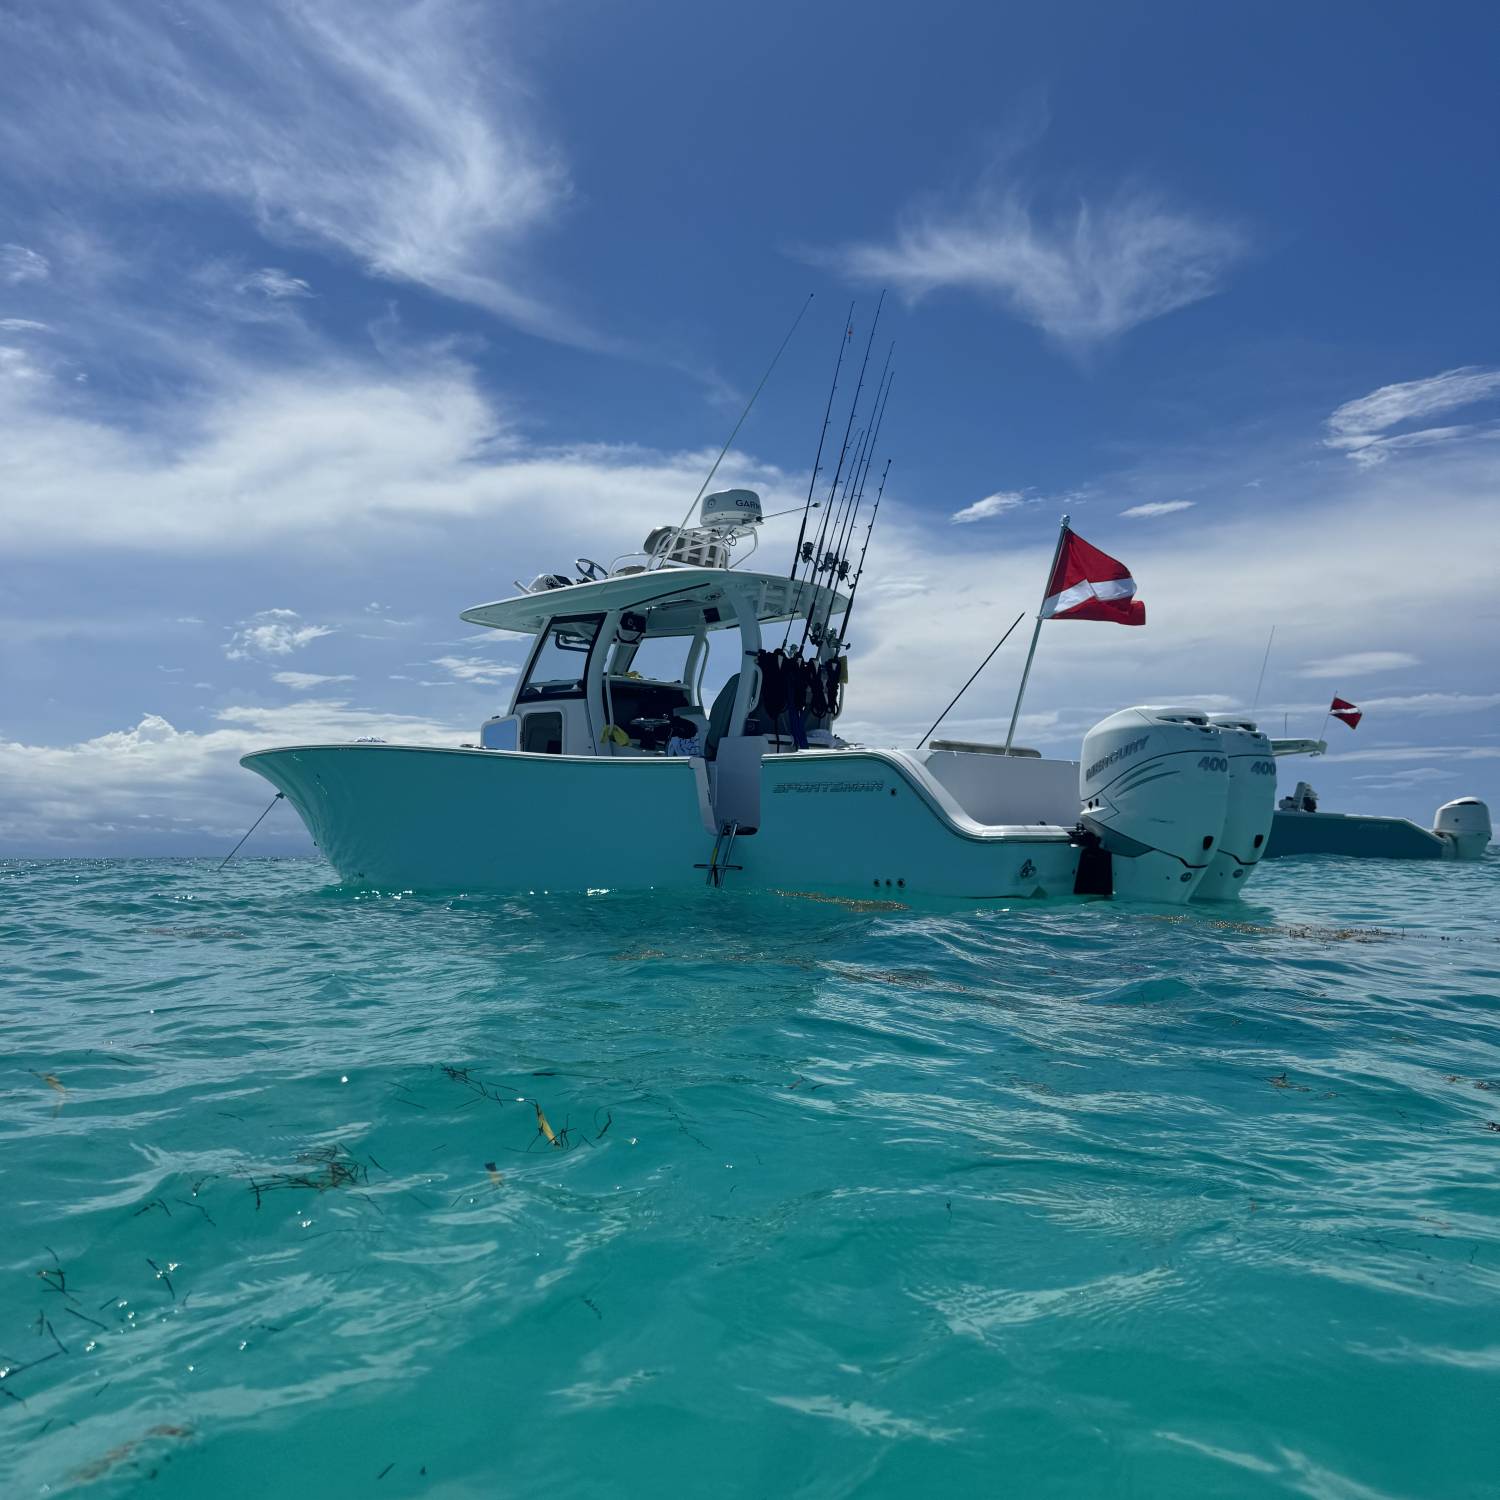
(830,786)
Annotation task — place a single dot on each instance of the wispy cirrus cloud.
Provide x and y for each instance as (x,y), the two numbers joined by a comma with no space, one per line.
(474,669)
(1359,664)
(1434,703)
(20,263)
(1083,275)
(1158,508)
(391,133)
(1363,429)
(992,505)
(1447,753)
(275,284)
(1402,780)
(302,682)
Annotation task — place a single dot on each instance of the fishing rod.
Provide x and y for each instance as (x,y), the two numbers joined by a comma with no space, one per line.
(859,572)
(813,556)
(829,560)
(817,468)
(882,397)
(838,557)
(848,429)
(672,540)
(811,552)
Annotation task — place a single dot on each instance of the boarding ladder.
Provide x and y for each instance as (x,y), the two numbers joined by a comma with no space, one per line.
(718,860)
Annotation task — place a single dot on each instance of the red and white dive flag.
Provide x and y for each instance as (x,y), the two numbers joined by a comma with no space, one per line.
(1088,584)
(1345,711)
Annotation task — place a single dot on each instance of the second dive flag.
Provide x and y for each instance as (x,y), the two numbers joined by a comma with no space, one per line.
(1340,709)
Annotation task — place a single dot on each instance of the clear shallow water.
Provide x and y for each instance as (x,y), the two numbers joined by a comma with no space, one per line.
(1076,1199)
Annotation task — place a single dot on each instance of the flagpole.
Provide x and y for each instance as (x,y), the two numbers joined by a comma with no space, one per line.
(1062,536)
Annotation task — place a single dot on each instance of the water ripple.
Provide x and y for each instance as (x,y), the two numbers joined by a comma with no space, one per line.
(352,1194)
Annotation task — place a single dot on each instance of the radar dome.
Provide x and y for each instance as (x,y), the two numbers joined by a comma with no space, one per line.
(730,509)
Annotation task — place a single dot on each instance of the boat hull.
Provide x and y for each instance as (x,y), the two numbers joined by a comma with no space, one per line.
(1354,834)
(846,822)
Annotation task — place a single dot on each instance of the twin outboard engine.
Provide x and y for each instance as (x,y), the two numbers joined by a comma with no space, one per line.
(1154,783)
(1252,806)
(1464,826)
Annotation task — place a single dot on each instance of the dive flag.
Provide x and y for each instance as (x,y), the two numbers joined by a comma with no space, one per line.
(1345,711)
(1088,584)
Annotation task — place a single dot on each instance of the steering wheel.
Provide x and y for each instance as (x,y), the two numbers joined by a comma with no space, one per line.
(590,569)
(650,731)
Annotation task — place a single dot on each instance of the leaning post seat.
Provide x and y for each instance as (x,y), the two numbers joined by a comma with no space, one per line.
(719,716)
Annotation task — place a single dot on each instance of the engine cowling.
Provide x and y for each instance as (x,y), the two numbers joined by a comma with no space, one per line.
(1154,784)
(1252,806)
(1464,825)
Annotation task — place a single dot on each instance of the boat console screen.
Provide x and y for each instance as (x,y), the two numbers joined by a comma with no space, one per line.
(560,666)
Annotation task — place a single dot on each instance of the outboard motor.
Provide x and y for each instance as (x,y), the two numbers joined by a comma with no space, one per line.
(1154,783)
(1464,826)
(1252,806)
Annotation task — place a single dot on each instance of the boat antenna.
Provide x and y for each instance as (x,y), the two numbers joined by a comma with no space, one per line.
(965,688)
(672,542)
(838,472)
(817,468)
(859,572)
(1261,679)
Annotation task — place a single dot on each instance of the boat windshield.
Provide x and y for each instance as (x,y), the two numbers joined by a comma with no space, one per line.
(660,658)
(561,664)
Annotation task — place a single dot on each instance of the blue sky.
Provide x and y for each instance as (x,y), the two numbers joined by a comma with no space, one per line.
(320,322)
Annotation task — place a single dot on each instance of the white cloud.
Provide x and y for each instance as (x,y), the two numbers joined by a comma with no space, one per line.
(21,325)
(1159,508)
(1083,276)
(155,785)
(272,632)
(390,132)
(301,682)
(992,505)
(19,264)
(332,450)
(1362,428)
(1359,664)
(474,669)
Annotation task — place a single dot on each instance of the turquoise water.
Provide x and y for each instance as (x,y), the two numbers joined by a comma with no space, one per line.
(1077,1199)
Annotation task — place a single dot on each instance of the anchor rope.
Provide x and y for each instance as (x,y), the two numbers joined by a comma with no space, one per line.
(251,829)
